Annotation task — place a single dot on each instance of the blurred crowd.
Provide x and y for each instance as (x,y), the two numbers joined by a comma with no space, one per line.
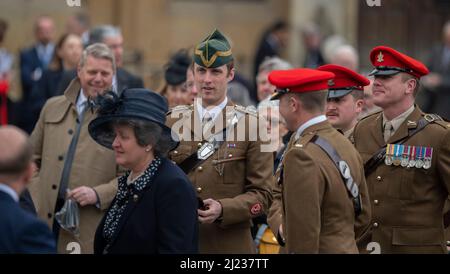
(54,66)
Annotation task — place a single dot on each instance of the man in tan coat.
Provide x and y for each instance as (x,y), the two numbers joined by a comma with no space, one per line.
(91,177)
(232,174)
(319,200)
(407,159)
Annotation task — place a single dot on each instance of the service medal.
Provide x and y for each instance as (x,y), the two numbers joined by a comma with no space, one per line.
(412,157)
(428,157)
(388,158)
(405,156)
(397,156)
(420,153)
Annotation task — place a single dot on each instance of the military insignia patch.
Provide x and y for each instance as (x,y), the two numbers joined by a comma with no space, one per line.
(256,209)
(380,57)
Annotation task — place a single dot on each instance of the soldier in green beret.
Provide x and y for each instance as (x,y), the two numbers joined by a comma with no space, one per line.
(231,175)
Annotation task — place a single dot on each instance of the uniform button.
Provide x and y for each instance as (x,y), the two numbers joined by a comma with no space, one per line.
(70,131)
(54,187)
(60,157)
(49,215)
(375,225)
(379,178)
(200,168)
(199,190)
(175,152)
(376,202)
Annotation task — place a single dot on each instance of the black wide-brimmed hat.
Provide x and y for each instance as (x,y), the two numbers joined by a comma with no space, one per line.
(133,104)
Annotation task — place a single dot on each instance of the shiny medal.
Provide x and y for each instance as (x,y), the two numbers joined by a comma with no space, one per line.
(428,157)
(412,157)
(405,156)
(205,151)
(420,154)
(397,155)
(389,154)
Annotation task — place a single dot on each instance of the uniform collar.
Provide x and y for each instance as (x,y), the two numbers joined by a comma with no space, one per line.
(213,111)
(309,123)
(8,190)
(398,121)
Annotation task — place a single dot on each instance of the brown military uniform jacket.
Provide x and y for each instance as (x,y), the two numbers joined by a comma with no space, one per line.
(237,175)
(316,210)
(362,228)
(407,203)
(93,166)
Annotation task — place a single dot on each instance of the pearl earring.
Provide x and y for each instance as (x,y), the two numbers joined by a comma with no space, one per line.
(147,149)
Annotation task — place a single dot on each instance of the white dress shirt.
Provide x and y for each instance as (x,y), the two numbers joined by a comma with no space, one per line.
(8,190)
(213,112)
(313,121)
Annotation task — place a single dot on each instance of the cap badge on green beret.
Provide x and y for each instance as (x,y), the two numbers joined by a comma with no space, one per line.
(214,51)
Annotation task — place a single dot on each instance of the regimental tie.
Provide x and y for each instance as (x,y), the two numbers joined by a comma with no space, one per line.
(206,123)
(388,128)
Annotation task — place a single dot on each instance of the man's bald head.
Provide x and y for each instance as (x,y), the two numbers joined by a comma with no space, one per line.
(16,152)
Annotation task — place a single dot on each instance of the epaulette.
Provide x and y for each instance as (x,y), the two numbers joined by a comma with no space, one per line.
(434,118)
(180,108)
(302,142)
(248,110)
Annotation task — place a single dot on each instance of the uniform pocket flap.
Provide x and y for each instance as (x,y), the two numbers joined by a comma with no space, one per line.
(417,236)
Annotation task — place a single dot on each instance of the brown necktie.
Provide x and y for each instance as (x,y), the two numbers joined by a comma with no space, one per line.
(388,130)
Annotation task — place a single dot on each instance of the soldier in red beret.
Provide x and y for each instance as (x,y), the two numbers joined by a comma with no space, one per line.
(319,181)
(345,99)
(407,159)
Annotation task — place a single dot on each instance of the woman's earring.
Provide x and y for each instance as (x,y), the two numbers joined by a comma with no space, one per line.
(147,149)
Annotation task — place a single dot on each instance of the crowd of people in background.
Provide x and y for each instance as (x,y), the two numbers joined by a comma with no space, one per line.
(87,62)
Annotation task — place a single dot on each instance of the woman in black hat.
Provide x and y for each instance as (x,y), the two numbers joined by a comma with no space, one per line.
(155,208)
(175,89)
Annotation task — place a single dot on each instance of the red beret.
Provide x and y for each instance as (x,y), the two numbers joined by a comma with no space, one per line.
(345,80)
(388,61)
(299,81)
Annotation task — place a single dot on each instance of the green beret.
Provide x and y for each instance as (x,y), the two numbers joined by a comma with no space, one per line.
(214,51)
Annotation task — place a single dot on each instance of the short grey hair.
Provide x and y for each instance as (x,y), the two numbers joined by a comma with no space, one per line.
(313,101)
(100,51)
(99,33)
(274,63)
(148,133)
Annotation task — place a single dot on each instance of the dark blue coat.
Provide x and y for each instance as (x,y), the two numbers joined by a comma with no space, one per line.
(29,63)
(21,232)
(162,220)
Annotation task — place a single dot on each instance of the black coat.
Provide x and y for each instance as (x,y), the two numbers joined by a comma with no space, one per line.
(124,80)
(162,220)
